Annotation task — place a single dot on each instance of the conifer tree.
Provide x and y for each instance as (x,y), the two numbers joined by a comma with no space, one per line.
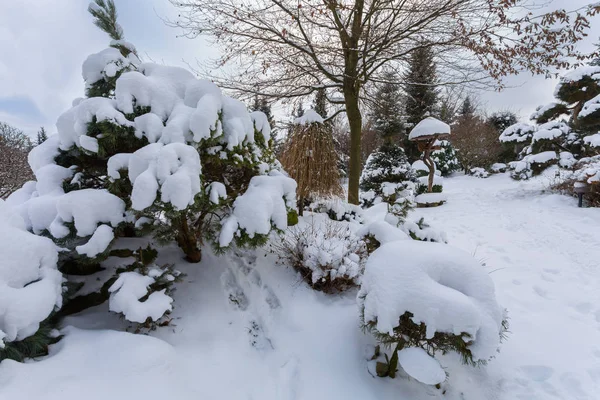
(468,108)
(320,103)
(150,150)
(41,136)
(421,93)
(387,110)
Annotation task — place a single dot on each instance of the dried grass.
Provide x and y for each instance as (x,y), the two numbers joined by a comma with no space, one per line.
(309,157)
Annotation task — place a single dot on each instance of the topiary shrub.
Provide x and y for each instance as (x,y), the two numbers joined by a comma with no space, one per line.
(432,297)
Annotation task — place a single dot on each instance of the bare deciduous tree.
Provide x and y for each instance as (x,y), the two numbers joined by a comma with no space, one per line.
(14,168)
(291,48)
(476,142)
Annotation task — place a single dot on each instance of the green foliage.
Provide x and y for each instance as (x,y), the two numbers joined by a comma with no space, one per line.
(32,346)
(41,136)
(105,18)
(388,164)
(446,158)
(386,113)
(421,93)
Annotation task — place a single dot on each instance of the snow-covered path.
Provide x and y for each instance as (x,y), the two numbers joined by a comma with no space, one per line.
(544,256)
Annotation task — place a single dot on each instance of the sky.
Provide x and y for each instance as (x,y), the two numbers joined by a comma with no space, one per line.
(44,42)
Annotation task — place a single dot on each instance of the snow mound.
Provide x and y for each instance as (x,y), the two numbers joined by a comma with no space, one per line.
(518,132)
(592,140)
(499,167)
(309,117)
(421,366)
(30,284)
(443,287)
(126,293)
(479,172)
(429,127)
(430,198)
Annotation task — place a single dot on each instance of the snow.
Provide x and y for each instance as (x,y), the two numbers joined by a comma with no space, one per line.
(383,232)
(309,117)
(550,130)
(437,180)
(263,205)
(125,295)
(98,243)
(518,132)
(428,127)
(421,366)
(479,172)
(86,208)
(261,124)
(443,287)
(539,111)
(105,64)
(499,167)
(592,140)
(419,165)
(431,198)
(540,250)
(44,154)
(172,169)
(541,158)
(30,284)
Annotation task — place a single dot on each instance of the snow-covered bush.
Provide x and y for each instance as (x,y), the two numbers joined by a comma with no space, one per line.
(328,254)
(566,129)
(499,168)
(446,159)
(30,288)
(388,165)
(337,209)
(479,172)
(151,149)
(430,296)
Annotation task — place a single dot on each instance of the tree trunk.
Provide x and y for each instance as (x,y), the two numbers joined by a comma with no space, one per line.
(187,241)
(355,123)
(427,160)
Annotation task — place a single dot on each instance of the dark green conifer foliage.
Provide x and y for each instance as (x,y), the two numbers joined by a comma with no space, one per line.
(421,94)
(320,103)
(41,136)
(502,120)
(387,110)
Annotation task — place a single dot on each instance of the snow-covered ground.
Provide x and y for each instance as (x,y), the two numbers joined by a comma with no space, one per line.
(280,340)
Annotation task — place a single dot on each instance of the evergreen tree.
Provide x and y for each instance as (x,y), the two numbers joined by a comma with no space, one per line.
(320,103)
(421,94)
(467,109)
(140,166)
(41,136)
(299,111)
(502,120)
(387,110)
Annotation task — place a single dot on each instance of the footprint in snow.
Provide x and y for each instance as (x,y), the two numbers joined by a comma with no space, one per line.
(538,373)
(541,292)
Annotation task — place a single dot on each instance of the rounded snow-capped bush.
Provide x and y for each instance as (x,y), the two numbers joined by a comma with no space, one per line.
(432,296)
(329,254)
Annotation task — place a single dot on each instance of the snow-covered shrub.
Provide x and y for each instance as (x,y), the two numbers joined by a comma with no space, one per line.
(30,288)
(499,168)
(423,182)
(151,149)
(479,172)
(430,296)
(328,254)
(337,209)
(388,165)
(446,159)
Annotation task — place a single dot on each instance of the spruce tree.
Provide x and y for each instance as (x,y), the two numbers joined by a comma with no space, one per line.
(502,120)
(468,108)
(421,94)
(320,103)
(387,110)
(41,136)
